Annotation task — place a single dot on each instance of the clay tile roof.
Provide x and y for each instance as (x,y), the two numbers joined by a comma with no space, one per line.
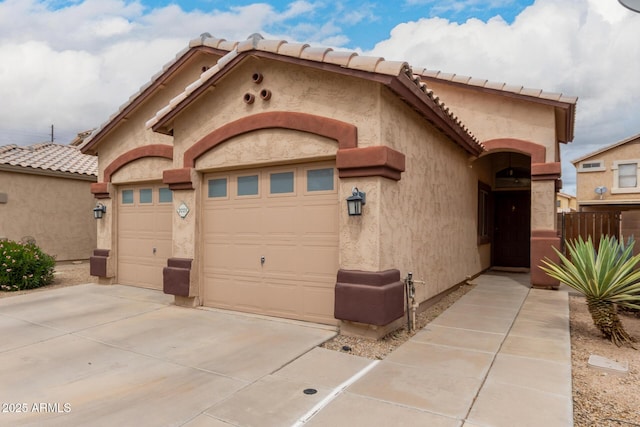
(50,157)
(519,90)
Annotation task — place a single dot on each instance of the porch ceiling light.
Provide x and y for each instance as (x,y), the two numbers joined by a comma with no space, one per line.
(355,202)
(99,211)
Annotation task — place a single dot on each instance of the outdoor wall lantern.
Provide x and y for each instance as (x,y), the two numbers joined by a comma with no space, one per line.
(355,202)
(99,211)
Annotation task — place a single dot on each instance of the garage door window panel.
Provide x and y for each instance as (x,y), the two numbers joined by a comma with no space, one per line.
(320,180)
(127,197)
(146,195)
(248,185)
(281,183)
(217,188)
(165,195)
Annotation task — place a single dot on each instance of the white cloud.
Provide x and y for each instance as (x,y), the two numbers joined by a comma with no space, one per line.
(74,64)
(584,48)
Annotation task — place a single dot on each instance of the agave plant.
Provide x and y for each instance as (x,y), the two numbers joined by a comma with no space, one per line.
(607,278)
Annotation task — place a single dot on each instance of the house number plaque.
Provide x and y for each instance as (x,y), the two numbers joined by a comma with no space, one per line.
(183,210)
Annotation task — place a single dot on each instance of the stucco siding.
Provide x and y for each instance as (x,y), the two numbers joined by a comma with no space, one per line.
(267,146)
(491,117)
(57,212)
(293,88)
(429,218)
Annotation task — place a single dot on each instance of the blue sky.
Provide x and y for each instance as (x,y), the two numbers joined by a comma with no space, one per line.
(367,22)
(72,63)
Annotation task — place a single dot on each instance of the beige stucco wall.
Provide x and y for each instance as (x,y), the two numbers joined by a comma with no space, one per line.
(132,133)
(586,182)
(296,89)
(491,116)
(426,223)
(56,211)
(428,220)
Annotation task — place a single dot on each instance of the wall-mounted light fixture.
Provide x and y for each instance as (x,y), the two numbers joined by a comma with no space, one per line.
(99,211)
(355,202)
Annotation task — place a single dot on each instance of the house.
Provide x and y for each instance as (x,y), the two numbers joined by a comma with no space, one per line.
(45,196)
(225,182)
(565,202)
(607,180)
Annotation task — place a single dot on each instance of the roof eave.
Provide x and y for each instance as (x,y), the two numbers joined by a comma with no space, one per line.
(47,172)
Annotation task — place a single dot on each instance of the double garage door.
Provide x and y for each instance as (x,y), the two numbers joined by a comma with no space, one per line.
(270,241)
(144,234)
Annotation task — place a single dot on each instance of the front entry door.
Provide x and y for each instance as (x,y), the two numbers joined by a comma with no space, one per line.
(512,235)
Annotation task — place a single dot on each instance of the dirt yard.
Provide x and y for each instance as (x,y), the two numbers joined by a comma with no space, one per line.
(599,399)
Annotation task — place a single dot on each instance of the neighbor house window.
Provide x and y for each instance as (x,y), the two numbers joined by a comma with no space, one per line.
(146,195)
(281,183)
(591,166)
(625,176)
(217,187)
(320,179)
(628,175)
(484,213)
(127,197)
(165,195)
(248,185)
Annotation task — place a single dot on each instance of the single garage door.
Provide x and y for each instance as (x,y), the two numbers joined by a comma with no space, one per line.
(271,241)
(144,234)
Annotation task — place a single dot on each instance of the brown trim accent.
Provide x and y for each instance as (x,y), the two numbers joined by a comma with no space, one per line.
(542,244)
(90,147)
(176,277)
(154,150)
(100,190)
(370,161)
(178,179)
(546,169)
(346,134)
(374,298)
(537,152)
(98,262)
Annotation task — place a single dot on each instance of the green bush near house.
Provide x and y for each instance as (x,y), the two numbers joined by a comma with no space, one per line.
(24,266)
(608,278)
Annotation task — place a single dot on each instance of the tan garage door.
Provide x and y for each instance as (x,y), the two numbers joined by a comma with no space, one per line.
(271,241)
(144,234)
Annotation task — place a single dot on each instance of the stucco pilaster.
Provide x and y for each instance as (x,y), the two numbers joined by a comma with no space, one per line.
(544,236)
(185,230)
(360,235)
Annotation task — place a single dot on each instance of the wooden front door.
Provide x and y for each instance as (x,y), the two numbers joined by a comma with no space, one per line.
(512,233)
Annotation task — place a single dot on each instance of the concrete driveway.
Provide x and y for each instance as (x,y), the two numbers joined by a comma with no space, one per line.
(120,356)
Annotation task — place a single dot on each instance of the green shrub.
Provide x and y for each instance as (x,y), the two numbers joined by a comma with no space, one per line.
(24,266)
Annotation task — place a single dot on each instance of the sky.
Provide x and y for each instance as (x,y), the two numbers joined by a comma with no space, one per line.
(72,63)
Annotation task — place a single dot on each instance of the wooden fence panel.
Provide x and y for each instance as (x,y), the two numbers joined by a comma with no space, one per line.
(585,224)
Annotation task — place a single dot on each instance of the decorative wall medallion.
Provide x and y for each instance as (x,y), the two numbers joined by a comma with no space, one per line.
(183,210)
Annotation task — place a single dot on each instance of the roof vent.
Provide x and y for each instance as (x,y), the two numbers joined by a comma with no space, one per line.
(255,39)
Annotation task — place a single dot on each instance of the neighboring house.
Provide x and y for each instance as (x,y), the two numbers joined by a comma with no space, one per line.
(43,196)
(226,177)
(565,202)
(607,180)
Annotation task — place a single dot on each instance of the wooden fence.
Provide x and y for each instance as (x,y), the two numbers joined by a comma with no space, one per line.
(585,224)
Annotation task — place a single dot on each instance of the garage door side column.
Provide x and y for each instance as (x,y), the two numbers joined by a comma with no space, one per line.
(180,277)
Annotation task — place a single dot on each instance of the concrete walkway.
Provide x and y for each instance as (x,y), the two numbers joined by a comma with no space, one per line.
(500,356)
